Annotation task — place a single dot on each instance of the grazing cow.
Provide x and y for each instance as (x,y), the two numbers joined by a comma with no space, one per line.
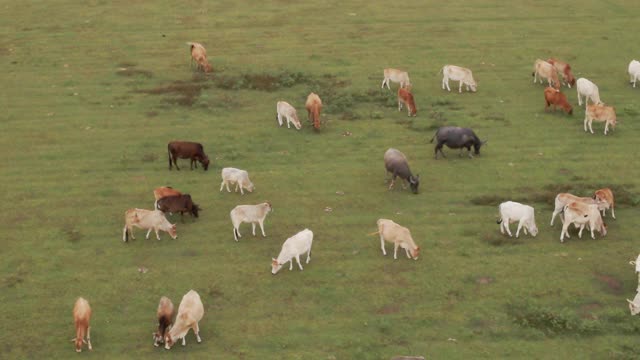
(512,211)
(457,138)
(314,107)
(400,236)
(588,90)
(396,76)
(81,319)
(634,306)
(457,73)
(581,215)
(293,247)
(565,70)
(544,70)
(238,177)
(187,150)
(179,204)
(165,319)
(600,113)
(405,97)
(190,312)
(563,199)
(634,72)
(396,163)
(249,214)
(199,55)
(637,265)
(163,191)
(604,199)
(146,219)
(553,96)
(284,109)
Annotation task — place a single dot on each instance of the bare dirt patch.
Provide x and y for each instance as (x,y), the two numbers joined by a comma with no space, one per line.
(130,71)
(388,309)
(610,284)
(178,92)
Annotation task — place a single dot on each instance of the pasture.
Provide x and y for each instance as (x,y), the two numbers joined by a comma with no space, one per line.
(93,92)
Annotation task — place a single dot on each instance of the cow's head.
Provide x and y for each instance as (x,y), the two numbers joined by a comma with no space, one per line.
(477,145)
(414,182)
(168,341)
(205,163)
(415,253)
(157,338)
(249,186)
(207,67)
(472,85)
(571,80)
(533,229)
(194,210)
(635,309)
(172,231)
(275,266)
(79,341)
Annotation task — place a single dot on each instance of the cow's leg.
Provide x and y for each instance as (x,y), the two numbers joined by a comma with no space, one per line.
(309,255)
(590,126)
(241,192)
(395,250)
(445,81)
(89,337)
(460,87)
(586,120)
(606,127)
(288,122)
(384,252)
(407,251)
(505,223)
(262,228)
(196,329)
(564,231)
(299,263)
(236,232)
(383,82)
(399,105)
(579,100)
(520,223)
(222,185)
(148,232)
(279,119)
(393,181)
(613,214)
(184,340)
(157,235)
(253,228)
(291,264)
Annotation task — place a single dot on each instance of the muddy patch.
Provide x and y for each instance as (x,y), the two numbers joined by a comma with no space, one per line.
(388,309)
(609,284)
(178,92)
(498,239)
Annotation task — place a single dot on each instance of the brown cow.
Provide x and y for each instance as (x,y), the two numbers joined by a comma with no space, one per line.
(81,318)
(314,106)
(163,191)
(604,199)
(165,319)
(405,97)
(600,113)
(199,54)
(564,69)
(187,150)
(554,97)
(179,203)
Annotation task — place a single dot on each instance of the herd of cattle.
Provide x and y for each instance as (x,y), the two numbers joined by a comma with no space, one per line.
(582,212)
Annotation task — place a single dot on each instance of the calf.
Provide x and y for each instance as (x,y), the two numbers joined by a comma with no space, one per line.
(553,96)
(199,55)
(565,71)
(179,204)
(190,312)
(163,191)
(187,150)
(457,73)
(284,109)
(511,211)
(581,215)
(600,113)
(249,214)
(457,138)
(588,90)
(81,319)
(634,72)
(405,97)
(238,177)
(400,236)
(604,199)
(165,319)
(146,219)
(563,199)
(544,70)
(396,76)
(293,247)
(396,163)
(314,107)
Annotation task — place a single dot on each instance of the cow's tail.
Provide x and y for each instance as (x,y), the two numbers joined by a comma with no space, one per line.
(441,70)
(434,136)
(374,233)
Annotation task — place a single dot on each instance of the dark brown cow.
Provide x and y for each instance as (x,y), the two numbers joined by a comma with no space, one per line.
(187,150)
(179,203)
(554,97)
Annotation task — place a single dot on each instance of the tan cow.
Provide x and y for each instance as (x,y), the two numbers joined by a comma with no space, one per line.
(544,70)
(199,55)
(405,97)
(581,215)
(458,73)
(81,319)
(400,236)
(565,71)
(396,76)
(563,199)
(146,219)
(164,191)
(600,113)
(604,198)
(165,319)
(190,312)
(249,214)
(314,107)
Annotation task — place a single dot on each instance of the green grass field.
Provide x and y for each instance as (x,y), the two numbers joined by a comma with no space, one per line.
(93,91)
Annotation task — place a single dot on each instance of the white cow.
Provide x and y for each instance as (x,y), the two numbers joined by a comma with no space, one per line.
(284,109)
(457,73)
(634,71)
(545,70)
(190,312)
(511,211)
(236,176)
(637,264)
(293,247)
(399,235)
(397,76)
(634,306)
(581,214)
(249,214)
(146,219)
(588,90)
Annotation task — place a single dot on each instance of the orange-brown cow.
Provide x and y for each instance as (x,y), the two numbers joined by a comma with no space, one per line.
(604,198)
(405,97)
(554,97)
(199,55)
(164,191)
(314,106)
(565,71)
(81,318)
(600,113)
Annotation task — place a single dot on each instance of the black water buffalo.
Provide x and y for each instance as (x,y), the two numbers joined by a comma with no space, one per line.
(396,163)
(457,138)
(178,203)
(187,150)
